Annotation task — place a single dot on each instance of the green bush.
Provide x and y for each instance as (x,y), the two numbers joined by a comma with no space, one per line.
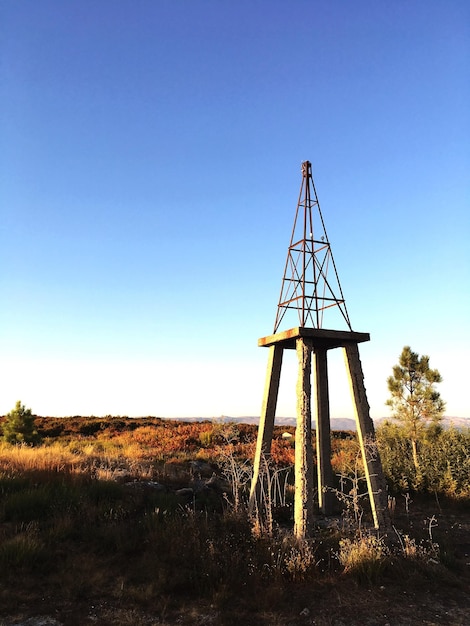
(444,461)
(19,426)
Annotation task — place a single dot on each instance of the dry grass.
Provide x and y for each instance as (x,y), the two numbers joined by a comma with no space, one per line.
(364,556)
(22,459)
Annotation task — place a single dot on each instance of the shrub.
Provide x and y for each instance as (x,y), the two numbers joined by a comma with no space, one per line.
(19,426)
(32,503)
(299,560)
(24,549)
(444,461)
(364,557)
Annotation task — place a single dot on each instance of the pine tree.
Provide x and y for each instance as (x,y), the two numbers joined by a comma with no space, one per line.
(414,400)
(19,426)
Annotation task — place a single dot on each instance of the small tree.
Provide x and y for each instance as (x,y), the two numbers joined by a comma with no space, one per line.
(19,426)
(414,401)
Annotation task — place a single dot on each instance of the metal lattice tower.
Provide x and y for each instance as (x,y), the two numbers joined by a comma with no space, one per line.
(306,286)
(311,286)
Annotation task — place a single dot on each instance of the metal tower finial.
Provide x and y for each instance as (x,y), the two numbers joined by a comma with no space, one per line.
(305,286)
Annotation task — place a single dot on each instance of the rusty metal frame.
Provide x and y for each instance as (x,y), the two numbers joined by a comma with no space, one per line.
(305,286)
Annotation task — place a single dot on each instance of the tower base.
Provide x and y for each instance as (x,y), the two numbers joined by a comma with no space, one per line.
(317,342)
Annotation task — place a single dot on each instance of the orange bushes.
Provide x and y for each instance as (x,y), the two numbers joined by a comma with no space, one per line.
(283,452)
(345,455)
(154,439)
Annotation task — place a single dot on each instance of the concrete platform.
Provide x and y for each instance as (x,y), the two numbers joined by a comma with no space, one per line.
(318,337)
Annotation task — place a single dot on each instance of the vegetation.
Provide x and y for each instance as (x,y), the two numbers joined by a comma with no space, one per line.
(444,467)
(144,521)
(18,426)
(413,398)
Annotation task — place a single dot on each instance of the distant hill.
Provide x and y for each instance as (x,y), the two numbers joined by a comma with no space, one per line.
(447,421)
(337,423)
(457,422)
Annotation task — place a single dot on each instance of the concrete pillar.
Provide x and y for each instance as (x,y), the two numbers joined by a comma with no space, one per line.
(303,500)
(266,421)
(323,435)
(366,435)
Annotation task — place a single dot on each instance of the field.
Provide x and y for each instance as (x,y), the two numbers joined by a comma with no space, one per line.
(144,521)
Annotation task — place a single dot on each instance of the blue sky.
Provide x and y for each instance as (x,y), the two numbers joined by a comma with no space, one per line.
(150,157)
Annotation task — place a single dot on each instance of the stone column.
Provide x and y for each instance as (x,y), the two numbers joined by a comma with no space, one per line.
(323,434)
(266,421)
(303,501)
(366,435)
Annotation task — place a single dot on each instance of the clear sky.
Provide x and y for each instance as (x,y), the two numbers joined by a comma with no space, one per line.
(150,156)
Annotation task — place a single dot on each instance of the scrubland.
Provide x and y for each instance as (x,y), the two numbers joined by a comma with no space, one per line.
(144,521)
